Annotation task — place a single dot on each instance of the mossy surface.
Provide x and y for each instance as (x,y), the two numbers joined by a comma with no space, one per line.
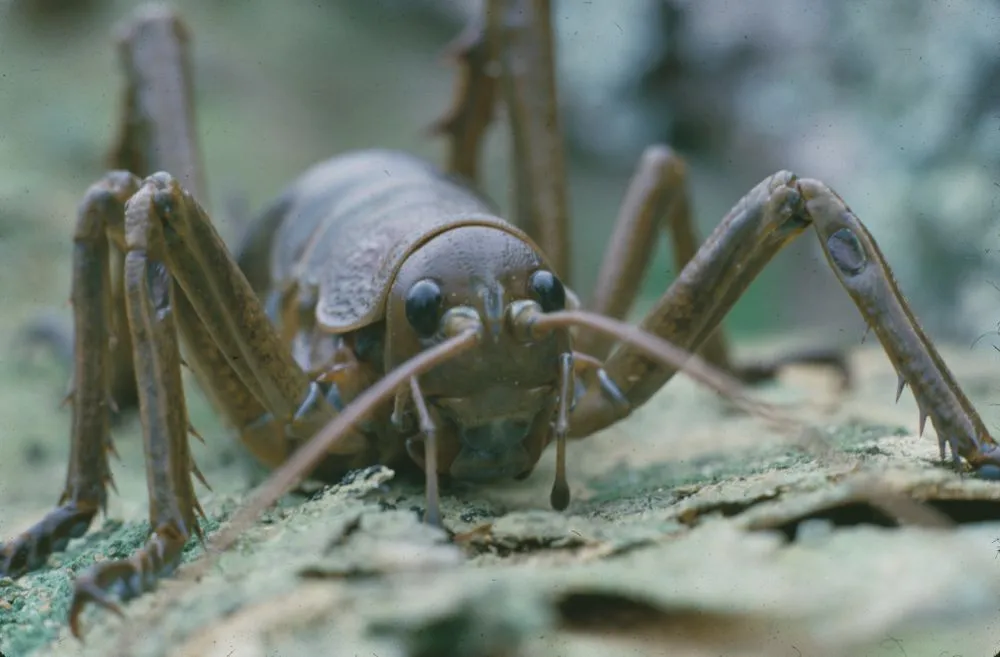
(675,552)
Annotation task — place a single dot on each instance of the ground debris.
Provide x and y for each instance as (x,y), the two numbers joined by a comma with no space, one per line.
(370,544)
(761,549)
(715,588)
(534,532)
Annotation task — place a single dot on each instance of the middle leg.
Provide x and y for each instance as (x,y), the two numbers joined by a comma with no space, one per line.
(770,216)
(659,190)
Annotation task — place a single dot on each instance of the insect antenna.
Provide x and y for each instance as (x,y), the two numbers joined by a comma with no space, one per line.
(530,322)
(529,319)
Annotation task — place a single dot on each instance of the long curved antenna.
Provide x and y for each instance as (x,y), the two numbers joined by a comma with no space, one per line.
(533,319)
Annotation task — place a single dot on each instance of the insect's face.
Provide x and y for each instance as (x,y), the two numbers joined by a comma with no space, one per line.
(492,406)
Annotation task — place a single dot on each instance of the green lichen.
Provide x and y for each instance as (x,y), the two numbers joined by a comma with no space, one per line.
(34,608)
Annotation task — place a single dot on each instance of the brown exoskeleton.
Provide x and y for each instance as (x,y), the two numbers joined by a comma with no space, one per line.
(380,311)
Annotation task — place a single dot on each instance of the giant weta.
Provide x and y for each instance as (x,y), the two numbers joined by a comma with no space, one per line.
(384,299)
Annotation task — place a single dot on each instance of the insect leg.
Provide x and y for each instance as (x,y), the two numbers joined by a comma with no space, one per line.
(157,133)
(88,473)
(522,31)
(472,109)
(659,190)
(770,216)
(174,253)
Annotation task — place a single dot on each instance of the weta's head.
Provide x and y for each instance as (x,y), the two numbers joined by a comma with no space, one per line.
(492,406)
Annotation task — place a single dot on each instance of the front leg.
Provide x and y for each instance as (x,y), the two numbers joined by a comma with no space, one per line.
(773,214)
(88,474)
(179,278)
(157,132)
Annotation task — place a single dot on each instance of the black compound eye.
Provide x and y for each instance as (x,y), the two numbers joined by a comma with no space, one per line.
(547,290)
(423,307)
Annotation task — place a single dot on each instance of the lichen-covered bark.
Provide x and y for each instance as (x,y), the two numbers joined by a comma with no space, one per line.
(669,546)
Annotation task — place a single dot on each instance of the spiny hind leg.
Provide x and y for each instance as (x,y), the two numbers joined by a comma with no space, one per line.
(156,132)
(521,36)
(465,123)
